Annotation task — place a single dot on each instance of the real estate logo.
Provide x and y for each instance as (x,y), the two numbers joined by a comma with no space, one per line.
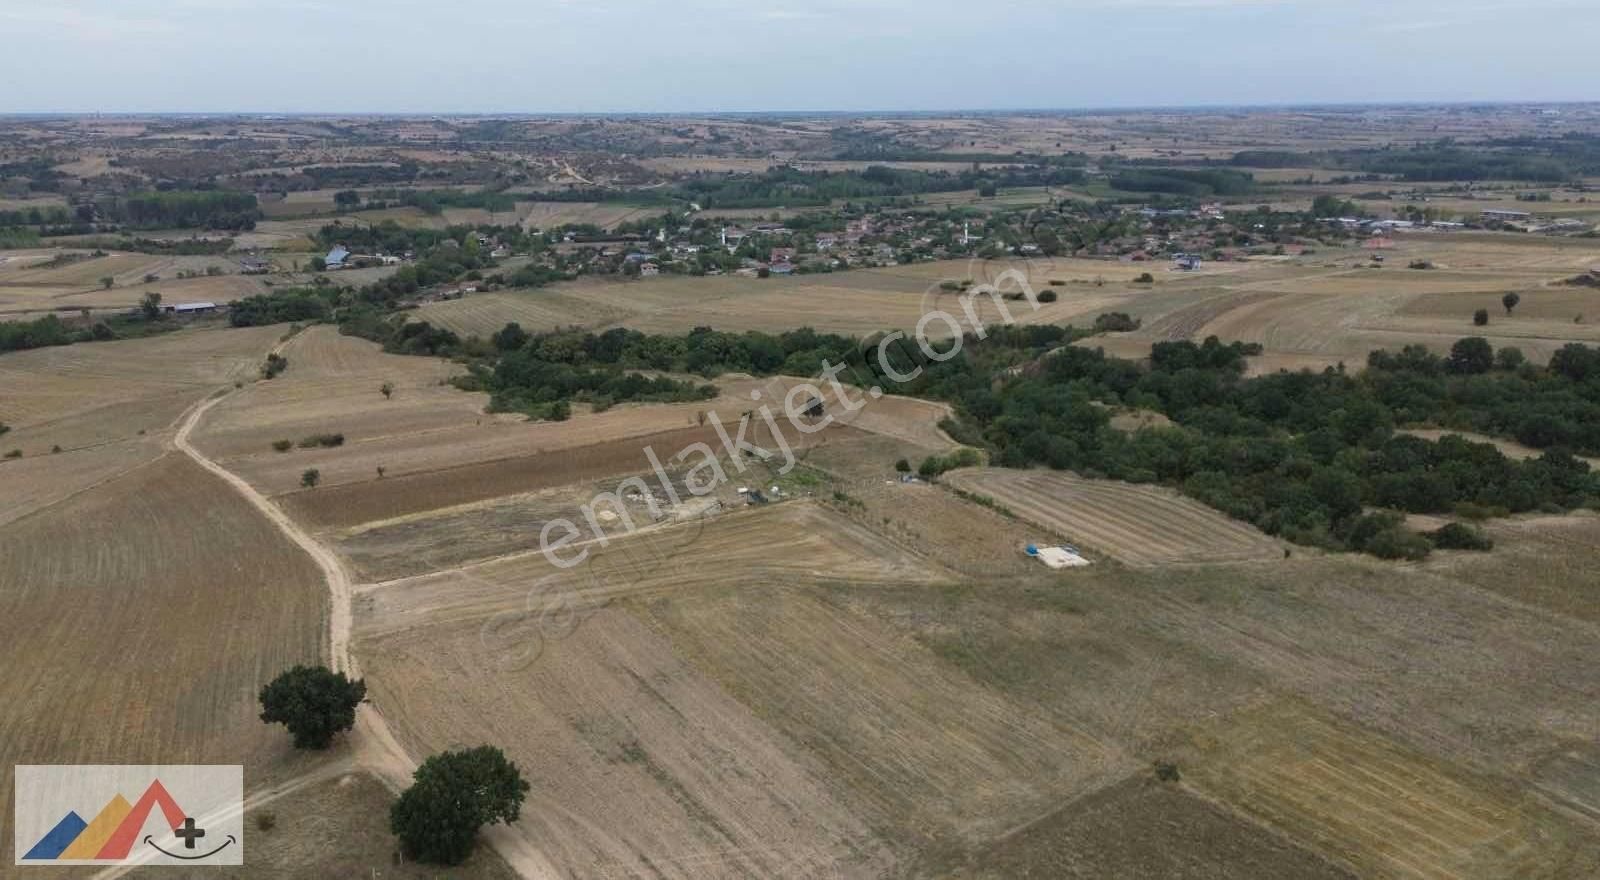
(99,814)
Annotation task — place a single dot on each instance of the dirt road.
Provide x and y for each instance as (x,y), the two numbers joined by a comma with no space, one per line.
(375,746)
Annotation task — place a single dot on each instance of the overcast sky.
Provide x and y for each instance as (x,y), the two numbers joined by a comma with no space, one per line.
(696,55)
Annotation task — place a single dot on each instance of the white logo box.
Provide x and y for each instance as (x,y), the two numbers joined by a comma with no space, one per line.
(125,814)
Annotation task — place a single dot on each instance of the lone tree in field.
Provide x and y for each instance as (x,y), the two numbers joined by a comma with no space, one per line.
(387,389)
(311,478)
(314,702)
(1510,301)
(452,795)
(1480,317)
(106,281)
(150,306)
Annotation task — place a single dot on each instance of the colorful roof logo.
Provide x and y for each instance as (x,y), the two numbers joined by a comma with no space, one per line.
(64,817)
(110,836)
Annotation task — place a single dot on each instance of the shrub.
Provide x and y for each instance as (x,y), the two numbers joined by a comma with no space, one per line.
(314,702)
(1047,296)
(15,453)
(1457,536)
(934,465)
(1145,278)
(903,466)
(311,478)
(325,440)
(276,363)
(281,445)
(1480,317)
(1421,264)
(1166,771)
(1115,322)
(452,795)
(266,820)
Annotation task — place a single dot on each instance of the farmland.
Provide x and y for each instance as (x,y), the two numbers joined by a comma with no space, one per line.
(1140,525)
(158,685)
(858,303)
(840,664)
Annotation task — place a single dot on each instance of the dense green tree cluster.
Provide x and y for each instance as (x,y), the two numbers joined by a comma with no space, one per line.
(302,304)
(1530,158)
(791,186)
(1301,455)
(1192,182)
(209,209)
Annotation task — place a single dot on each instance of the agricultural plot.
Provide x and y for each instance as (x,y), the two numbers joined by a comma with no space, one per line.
(636,759)
(1315,315)
(1546,561)
(549,215)
(796,542)
(28,303)
(782,691)
(45,385)
(1143,828)
(1140,525)
(138,620)
(536,310)
(1382,808)
(923,749)
(855,303)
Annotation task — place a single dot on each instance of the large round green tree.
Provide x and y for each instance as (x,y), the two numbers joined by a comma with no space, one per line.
(453,795)
(314,702)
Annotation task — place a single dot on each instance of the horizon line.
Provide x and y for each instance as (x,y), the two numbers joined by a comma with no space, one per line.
(815,112)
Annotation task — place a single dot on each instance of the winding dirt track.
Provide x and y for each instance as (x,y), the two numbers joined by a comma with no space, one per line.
(376,748)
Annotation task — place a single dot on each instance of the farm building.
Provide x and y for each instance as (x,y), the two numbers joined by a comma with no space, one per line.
(337,257)
(1505,216)
(194,308)
(254,266)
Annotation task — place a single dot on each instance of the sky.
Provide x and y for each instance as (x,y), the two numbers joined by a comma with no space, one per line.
(576,56)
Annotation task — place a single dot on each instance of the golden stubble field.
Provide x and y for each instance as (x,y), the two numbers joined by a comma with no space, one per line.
(30,287)
(1334,306)
(869,681)
(856,303)
(1140,525)
(138,620)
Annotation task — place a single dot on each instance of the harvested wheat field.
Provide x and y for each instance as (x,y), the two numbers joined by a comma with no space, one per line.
(549,215)
(638,761)
(685,702)
(639,766)
(141,617)
(923,749)
(1140,525)
(535,310)
(1144,828)
(123,378)
(857,303)
(1380,807)
(786,543)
